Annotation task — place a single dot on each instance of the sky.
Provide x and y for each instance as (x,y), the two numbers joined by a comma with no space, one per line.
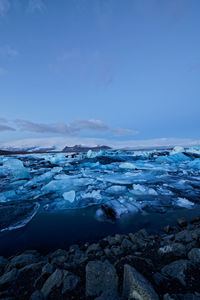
(108,71)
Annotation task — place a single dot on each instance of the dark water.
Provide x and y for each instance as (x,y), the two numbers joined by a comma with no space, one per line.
(48,232)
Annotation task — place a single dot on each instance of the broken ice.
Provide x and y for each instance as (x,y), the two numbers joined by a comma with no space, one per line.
(114,182)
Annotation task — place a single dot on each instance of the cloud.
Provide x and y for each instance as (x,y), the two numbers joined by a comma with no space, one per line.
(36,5)
(25,125)
(4,7)
(7,51)
(4,127)
(72,129)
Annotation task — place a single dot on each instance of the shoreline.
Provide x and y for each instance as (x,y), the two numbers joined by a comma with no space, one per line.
(154,266)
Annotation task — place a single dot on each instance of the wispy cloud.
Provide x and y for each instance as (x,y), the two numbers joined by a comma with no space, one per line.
(74,128)
(8,51)
(4,126)
(36,6)
(4,7)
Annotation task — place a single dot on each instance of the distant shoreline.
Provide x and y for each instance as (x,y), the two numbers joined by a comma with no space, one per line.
(5,152)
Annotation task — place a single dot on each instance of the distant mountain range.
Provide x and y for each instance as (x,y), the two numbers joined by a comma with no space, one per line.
(80,148)
(76,148)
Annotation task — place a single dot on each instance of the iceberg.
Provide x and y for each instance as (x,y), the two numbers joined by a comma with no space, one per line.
(177,149)
(127,165)
(175,158)
(69,196)
(116,189)
(91,154)
(58,158)
(139,189)
(7,196)
(94,194)
(17,216)
(195,164)
(44,177)
(15,168)
(194,150)
(183,202)
(65,185)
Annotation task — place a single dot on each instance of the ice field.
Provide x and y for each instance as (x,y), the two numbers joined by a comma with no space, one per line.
(114,182)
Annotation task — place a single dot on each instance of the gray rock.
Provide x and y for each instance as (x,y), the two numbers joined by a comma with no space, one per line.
(62,280)
(31,270)
(107,252)
(126,244)
(70,282)
(74,248)
(53,282)
(184,236)
(159,279)
(3,263)
(22,260)
(116,250)
(118,238)
(112,241)
(8,279)
(177,269)
(59,252)
(37,295)
(194,255)
(139,238)
(172,249)
(93,248)
(196,234)
(47,269)
(101,278)
(135,286)
(59,256)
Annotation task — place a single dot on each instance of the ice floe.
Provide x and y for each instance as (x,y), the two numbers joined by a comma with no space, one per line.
(116,182)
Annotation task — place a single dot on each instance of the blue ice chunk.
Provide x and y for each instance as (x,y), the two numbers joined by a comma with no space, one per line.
(93,194)
(175,158)
(91,154)
(7,196)
(183,202)
(69,196)
(65,185)
(58,158)
(15,168)
(139,189)
(194,150)
(116,189)
(127,165)
(91,165)
(195,164)
(44,177)
(177,149)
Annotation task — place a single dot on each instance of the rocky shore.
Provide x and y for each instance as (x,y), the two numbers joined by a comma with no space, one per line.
(134,266)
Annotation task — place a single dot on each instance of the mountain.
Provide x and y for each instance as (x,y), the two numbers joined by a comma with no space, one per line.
(81,148)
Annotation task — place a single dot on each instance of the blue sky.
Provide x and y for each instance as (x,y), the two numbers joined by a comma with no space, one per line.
(117,70)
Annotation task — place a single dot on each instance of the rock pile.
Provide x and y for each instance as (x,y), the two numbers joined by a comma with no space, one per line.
(134,266)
